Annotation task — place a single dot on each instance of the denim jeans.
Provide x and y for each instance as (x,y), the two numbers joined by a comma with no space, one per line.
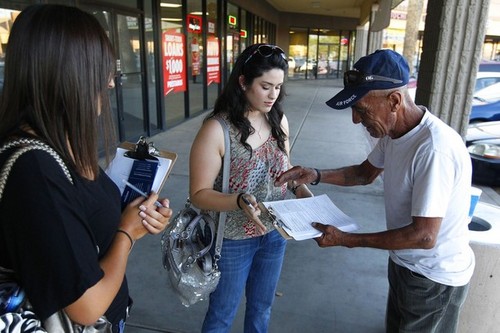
(417,304)
(254,265)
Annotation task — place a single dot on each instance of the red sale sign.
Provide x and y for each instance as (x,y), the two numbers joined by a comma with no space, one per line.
(213,67)
(174,67)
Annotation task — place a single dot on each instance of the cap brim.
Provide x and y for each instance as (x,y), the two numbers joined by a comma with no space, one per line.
(347,97)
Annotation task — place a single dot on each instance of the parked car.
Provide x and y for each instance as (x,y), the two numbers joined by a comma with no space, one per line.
(483,80)
(489,66)
(486,79)
(299,61)
(309,65)
(483,143)
(486,104)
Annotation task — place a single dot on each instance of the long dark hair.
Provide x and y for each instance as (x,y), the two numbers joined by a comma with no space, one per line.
(233,102)
(58,65)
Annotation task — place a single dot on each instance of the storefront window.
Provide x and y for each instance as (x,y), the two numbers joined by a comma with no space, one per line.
(151,68)
(346,52)
(297,53)
(243,30)
(328,53)
(173,61)
(7,17)
(266,32)
(213,54)
(232,37)
(195,55)
(318,53)
(257,30)
(311,70)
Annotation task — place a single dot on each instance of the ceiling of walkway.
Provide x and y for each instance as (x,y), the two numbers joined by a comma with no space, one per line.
(343,8)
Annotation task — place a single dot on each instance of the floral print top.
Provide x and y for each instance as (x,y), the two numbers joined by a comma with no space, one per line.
(254,174)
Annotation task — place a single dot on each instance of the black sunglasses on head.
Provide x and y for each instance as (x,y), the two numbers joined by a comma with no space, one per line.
(355,78)
(267,50)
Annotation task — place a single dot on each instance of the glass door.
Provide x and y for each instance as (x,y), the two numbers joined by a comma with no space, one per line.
(127,99)
(130,77)
(330,54)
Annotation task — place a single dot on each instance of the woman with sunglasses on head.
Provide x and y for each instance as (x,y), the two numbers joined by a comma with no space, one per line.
(252,251)
(63,233)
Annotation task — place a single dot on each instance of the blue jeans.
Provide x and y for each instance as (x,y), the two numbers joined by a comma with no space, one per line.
(254,265)
(417,304)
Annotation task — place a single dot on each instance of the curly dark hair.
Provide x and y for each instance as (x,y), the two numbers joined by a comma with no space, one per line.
(233,102)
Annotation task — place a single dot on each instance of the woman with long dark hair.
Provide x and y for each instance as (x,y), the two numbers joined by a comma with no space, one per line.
(62,230)
(252,251)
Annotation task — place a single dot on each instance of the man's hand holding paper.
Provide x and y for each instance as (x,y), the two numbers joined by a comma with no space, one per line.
(331,236)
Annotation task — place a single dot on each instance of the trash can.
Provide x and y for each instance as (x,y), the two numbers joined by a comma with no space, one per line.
(481,310)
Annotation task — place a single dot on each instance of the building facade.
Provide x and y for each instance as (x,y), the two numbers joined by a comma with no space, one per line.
(173,56)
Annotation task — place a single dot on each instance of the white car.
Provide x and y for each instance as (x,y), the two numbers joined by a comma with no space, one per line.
(309,65)
(483,80)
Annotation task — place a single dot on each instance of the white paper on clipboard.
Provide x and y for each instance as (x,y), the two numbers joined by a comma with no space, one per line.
(121,165)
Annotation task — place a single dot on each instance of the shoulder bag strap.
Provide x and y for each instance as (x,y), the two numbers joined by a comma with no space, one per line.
(225,187)
(31,145)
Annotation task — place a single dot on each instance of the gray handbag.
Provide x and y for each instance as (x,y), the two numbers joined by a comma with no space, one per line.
(16,313)
(187,241)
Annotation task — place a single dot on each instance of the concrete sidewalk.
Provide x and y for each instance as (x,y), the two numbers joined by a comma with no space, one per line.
(321,290)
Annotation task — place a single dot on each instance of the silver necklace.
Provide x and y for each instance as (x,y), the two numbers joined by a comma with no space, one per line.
(262,120)
(260,128)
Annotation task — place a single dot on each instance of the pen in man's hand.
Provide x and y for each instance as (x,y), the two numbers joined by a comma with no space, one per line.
(157,203)
(245,200)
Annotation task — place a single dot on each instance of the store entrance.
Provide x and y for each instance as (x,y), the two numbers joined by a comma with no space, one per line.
(127,99)
(328,60)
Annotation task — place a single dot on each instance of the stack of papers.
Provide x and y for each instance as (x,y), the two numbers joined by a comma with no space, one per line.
(295,216)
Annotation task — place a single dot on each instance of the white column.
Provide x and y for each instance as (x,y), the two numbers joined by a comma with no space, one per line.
(453,38)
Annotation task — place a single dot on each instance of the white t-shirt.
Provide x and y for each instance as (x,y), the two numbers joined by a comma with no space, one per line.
(427,173)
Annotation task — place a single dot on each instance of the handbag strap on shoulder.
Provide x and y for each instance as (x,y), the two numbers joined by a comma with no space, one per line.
(25,146)
(225,187)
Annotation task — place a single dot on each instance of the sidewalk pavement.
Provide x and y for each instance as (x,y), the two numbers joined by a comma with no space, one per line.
(320,290)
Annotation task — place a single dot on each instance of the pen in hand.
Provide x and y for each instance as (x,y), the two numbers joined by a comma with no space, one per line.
(157,203)
(245,200)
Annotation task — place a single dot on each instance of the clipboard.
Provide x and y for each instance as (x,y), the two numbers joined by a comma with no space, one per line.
(293,217)
(141,159)
(277,223)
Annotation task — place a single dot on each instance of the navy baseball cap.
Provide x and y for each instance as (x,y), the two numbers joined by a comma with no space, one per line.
(383,69)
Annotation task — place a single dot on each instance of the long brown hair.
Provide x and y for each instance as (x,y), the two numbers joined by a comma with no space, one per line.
(232,99)
(58,65)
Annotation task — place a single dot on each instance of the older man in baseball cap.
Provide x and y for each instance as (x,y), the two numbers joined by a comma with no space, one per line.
(427,181)
(381,70)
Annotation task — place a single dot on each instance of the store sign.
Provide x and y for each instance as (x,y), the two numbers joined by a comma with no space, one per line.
(213,67)
(231,20)
(195,57)
(243,33)
(174,68)
(211,27)
(194,24)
